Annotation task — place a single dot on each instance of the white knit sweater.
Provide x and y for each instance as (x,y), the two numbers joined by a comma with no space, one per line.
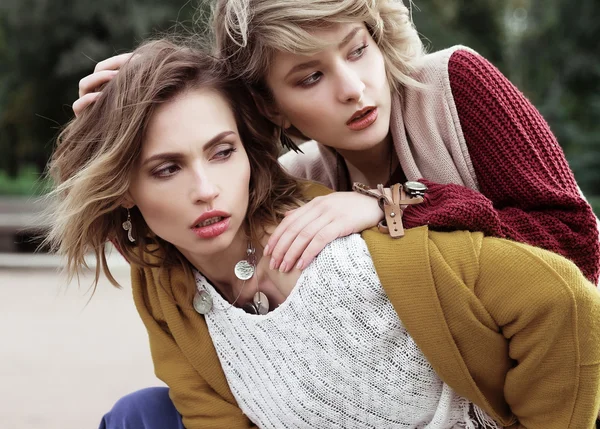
(333,355)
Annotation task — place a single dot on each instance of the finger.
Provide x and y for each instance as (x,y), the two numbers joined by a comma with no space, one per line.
(82,103)
(92,82)
(289,219)
(113,63)
(314,218)
(314,237)
(327,234)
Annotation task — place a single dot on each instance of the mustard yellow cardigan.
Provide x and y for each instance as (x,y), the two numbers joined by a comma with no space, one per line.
(513,328)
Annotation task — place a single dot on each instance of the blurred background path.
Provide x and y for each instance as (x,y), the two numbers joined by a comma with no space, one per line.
(64,361)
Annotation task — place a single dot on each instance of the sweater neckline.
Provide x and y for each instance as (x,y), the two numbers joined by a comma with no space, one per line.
(221,304)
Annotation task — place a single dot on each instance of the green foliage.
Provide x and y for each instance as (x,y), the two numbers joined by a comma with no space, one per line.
(563,79)
(27,182)
(595,202)
(46,47)
(477,24)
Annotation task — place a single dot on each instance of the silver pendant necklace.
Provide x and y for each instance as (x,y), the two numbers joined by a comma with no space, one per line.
(243,270)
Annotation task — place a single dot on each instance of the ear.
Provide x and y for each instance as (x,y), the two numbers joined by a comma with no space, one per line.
(127,201)
(270,111)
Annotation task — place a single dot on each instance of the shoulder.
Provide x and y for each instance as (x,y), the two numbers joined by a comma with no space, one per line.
(433,67)
(471,75)
(514,258)
(308,150)
(506,257)
(314,162)
(458,68)
(298,163)
(313,190)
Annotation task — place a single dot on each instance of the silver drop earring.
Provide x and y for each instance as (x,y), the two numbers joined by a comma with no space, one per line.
(127,226)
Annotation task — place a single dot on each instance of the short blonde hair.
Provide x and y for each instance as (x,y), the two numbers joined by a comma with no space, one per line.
(248,32)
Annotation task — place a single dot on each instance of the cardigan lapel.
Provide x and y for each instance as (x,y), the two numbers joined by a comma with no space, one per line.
(190,330)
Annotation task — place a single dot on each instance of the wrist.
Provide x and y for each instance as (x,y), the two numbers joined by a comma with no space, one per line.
(392,201)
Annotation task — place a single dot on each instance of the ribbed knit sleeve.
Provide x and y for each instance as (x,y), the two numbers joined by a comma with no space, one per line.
(528,192)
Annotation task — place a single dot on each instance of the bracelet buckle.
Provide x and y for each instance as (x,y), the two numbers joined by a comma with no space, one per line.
(393,201)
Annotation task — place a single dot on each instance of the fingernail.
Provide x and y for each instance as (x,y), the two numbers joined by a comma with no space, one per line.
(266,250)
(272,264)
(282,267)
(299,264)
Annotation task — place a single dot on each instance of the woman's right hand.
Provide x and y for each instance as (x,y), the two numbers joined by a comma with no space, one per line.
(89,86)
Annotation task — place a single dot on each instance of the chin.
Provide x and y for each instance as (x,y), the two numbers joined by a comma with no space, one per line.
(204,248)
(368,141)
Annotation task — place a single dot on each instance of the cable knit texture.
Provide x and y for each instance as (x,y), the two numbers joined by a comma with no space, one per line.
(333,355)
(472,130)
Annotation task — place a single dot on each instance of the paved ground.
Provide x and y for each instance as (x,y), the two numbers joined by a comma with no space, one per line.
(64,362)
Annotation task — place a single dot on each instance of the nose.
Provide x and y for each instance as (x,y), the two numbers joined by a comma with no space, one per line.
(203,189)
(350,84)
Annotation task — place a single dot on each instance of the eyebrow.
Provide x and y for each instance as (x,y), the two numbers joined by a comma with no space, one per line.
(349,36)
(176,155)
(313,63)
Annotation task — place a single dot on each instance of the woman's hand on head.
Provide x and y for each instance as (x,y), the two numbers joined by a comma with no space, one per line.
(305,231)
(103,73)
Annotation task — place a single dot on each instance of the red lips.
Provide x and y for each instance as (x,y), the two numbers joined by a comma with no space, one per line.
(363,118)
(208,215)
(217,225)
(360,113)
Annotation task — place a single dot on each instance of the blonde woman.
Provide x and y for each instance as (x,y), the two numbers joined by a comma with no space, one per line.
(438,330)
(351,75)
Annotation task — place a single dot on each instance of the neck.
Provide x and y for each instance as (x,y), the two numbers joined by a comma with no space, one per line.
(371,166)
(219,267)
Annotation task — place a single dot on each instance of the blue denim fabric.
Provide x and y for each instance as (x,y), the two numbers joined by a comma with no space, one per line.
(149,408)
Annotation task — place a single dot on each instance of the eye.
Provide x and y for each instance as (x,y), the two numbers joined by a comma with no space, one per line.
(357,53)
(224,153)
(166,171)
(310,80)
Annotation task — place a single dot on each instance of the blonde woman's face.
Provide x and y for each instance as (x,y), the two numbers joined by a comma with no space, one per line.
(191,184)
(322,94)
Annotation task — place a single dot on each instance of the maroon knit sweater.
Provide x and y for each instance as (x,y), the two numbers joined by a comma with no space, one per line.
(528,192)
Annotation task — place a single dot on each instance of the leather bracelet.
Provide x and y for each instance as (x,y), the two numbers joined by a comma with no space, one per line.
(392,201)
(361,188)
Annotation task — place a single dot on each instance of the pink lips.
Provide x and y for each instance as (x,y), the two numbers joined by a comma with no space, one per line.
(363,119)
(213,230)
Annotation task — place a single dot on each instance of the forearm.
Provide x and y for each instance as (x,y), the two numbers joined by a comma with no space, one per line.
(548,313)
(562,223)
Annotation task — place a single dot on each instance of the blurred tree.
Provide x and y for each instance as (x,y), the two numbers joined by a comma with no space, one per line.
(474,23)
(559,63)
(47,46)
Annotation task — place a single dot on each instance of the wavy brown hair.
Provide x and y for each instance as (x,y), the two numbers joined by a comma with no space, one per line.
(97,153)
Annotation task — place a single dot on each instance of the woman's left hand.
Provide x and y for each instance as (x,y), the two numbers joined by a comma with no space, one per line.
(305,231)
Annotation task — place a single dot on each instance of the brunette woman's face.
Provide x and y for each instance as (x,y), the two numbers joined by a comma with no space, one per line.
(191,183)
(322,94)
